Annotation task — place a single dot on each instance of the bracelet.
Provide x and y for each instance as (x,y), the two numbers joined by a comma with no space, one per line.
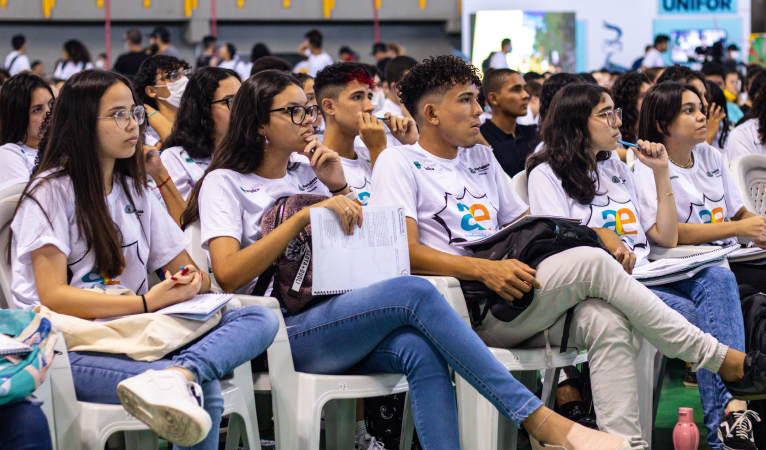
(339,190)
(163,183)
(668,194)
(151,114)
(143,298)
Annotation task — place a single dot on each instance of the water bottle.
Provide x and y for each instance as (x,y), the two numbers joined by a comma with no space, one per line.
(686,436)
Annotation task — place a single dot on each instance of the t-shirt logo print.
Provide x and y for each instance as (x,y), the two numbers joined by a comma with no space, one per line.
(473,216)
(709,211)
(619,217)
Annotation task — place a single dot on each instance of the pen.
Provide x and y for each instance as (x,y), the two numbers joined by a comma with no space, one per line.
(628,144)
(152,153)
(381,118)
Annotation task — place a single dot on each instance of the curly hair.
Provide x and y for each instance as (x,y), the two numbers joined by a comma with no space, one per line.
(714,95)
(625,94)
(758,90)
(147,74)
(435,76)
(567,139)
(551,87)
(193,129)
(338,75)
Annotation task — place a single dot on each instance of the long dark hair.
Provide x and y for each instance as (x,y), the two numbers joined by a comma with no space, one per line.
(758,95)
(551,87)
(193,129)
(566,136)
(625,94)
(714,94)
(662,105)
(71,150)
(15,101)
(77,51)
(241,149)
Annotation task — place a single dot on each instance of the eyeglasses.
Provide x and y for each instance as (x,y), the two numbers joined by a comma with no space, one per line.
(612,116)
(174,75)
(122,117)
(298,113)
(228,100)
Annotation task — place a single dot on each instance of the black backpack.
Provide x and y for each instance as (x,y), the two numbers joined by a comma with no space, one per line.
(754,315)
(485,64)
(531,243)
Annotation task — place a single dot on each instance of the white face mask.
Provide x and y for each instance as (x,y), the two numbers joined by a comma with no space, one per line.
(734,55)
(99,64)
(176,89)
(378,100)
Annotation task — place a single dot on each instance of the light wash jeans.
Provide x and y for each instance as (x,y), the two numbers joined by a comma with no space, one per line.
(241,335)
(609,305)
(710,300)
(403,325)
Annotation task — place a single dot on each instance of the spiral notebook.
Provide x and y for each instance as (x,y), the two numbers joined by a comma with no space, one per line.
(375,252)
(669,270)
(10,347)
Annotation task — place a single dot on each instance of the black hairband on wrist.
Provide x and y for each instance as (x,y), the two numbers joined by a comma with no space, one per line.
(339,190)
(143,298)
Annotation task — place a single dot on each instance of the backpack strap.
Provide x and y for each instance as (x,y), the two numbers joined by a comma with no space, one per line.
(12,61)
(263,281)
(567,326)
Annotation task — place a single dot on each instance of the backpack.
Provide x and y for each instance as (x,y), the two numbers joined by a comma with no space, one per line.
(754,315)
(531,243)
(485,64)
(22,374)
(292,271)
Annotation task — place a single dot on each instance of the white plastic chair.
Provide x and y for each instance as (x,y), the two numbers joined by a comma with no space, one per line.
(88,425)
(481,425)
(519,184)
(198,254)
(749,172)
(298,398)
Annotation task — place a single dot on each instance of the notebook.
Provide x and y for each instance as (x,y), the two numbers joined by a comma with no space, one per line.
(752,255)
(375,252)
(201,307)
(669,270)
(504,232)
(10,347)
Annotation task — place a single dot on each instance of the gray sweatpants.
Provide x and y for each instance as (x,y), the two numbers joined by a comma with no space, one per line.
(609,305)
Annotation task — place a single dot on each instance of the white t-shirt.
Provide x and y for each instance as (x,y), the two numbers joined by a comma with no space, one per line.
(315,63)
(18,162)
(615,205)
(498,61)
(184,170)
(237,65)
(66,69)
(15,62)
(745,140)
(389,107)
(653,58)
(232,204)
(150,239)
(359,175)
(529,119)
(705,193)
(151,137)
(453,200)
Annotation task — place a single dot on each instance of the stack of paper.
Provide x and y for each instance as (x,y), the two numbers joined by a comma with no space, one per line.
(674,269)
(201,307)
(752,255)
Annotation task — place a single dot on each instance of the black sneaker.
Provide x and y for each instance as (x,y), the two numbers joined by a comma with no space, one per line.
(690,378)
(736,430)
(753,385)
(578,413)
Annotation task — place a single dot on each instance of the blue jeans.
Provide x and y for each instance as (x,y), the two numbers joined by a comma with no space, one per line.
(241,335)
(710,300)
(403,325)
(24,427)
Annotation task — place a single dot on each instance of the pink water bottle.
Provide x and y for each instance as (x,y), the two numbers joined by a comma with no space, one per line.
(686,436)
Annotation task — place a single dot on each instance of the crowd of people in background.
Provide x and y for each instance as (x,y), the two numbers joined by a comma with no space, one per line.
(220,140)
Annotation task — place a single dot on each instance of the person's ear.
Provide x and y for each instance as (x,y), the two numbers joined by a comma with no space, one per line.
(431,114)
(492,98)
(151,91)
(328,106)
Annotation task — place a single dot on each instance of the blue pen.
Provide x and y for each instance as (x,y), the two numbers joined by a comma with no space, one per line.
(628,144)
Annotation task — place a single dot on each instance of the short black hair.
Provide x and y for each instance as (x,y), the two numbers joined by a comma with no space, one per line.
(711,70)
(303,77)
(337,76)
(661,39)
(315,38)
(258,51)
(162,33)
(373,69)
(270,63)
(435,76)
(494,80)
(534,88)
(208,40)
(532,76)
(504,42)
(587,77)
(397,67)
(133,36)
(18,41)
(231,49)
(35,63)
(677,73)
(732,47)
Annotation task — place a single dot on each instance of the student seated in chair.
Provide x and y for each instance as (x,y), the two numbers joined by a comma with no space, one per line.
(453,190)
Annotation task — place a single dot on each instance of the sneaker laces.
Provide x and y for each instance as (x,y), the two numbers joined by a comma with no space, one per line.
(743,427)
(375,444)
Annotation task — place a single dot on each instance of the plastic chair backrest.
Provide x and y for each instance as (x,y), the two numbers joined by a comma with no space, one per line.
(630,159)
(7,207)
(194,233)
(749,172)
(519,184)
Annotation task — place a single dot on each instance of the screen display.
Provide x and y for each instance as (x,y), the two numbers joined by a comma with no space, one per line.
(694,45)
(540,41)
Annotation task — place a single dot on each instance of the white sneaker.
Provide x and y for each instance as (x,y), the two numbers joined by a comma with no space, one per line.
(167,402)
(368,442)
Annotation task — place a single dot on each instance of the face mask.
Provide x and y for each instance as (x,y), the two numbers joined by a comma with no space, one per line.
(734,55)
(100,64)
(176,89)
(378,100)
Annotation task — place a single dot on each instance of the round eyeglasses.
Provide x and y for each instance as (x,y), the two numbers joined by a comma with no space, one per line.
(123,116)
(174,75)
(298,113)
(229,101)
(612,116)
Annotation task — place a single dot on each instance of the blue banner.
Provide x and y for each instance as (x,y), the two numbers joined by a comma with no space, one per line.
(697,6)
